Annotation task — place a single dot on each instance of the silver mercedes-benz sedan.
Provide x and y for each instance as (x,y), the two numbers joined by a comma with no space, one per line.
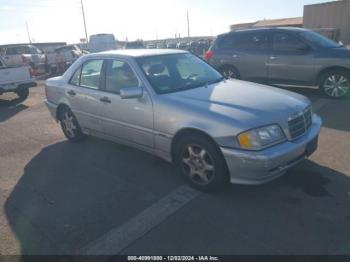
(174,105)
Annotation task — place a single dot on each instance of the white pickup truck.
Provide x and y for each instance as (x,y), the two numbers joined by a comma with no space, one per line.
(17,55)
(16,79)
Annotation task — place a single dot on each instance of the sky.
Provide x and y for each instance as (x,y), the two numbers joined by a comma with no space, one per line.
(61,20)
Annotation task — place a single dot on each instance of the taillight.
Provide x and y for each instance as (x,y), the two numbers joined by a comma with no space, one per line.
(208,55)
(24,60)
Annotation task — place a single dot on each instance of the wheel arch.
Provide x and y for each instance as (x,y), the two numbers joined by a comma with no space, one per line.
(221,67)
(60,107)
(187,132)
(329,69)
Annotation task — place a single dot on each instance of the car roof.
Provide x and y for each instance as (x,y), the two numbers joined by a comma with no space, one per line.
(292,29)
(16,46)
(141,52)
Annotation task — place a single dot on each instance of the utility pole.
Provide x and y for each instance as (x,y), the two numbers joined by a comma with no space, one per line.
(30,40)
(188,25)
(82,9)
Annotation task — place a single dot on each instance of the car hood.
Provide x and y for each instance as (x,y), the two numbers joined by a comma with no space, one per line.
(249,104)
(341,52)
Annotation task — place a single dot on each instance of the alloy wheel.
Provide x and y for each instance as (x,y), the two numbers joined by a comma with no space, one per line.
(198,164)
(68,124)
(229,74)
(336,86)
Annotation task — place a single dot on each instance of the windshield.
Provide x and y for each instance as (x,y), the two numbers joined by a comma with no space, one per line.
(177,72)
(319,40)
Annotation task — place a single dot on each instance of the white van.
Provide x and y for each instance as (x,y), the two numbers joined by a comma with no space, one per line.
(102,42)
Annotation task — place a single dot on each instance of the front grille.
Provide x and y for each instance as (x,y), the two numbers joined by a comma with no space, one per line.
(300,124)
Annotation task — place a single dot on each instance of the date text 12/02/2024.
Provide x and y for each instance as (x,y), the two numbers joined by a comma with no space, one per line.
(173,258)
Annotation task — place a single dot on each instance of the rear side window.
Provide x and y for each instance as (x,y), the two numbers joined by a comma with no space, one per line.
(287,42)
(245,41)
(75,80)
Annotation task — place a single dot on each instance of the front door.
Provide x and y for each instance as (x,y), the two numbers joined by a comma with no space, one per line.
(130,120)
(291,61)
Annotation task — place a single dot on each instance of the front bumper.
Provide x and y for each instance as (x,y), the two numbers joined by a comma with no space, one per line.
(258,167)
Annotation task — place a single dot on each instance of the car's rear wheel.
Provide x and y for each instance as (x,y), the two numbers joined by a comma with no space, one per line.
(336,84)
(202,163)
(23,93)
(70,125)
(229,72)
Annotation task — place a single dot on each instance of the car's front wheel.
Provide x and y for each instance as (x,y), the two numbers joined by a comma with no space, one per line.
(70,125)
(202,163)
(336,84)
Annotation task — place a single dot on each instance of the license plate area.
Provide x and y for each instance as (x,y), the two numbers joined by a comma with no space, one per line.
(311,147)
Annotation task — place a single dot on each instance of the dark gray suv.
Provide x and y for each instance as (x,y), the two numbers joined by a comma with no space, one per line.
(283,56)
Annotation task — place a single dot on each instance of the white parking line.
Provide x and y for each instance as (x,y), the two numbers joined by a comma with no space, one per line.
(121,237)
(320,103)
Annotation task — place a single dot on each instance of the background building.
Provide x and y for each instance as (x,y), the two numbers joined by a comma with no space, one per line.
(294,21)
(331,19)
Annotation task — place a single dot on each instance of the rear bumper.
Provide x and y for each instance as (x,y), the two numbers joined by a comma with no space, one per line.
(253,168)
(12,88)
(52,108)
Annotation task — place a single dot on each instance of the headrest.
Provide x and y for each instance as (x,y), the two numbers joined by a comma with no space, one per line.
(156,69)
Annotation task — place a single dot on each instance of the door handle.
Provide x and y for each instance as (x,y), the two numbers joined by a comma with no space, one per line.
(71,93)
(273,57)
(105,100)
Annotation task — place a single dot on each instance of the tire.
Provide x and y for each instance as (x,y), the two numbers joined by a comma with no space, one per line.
(23,93)
(335,84)
(201,163)
(70,126)
(229,72)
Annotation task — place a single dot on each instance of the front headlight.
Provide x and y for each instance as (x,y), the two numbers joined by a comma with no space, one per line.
(261,137)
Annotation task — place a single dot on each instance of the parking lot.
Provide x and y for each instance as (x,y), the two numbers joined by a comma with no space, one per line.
(98,197)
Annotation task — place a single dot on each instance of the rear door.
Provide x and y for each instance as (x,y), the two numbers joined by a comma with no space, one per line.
(84,93)
(247,52)
(292,61)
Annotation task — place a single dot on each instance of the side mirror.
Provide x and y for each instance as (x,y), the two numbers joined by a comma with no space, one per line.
(131,92)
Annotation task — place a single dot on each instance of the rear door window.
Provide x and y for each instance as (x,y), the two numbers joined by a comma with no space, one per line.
(288,43)
(91,74)
(246,41)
